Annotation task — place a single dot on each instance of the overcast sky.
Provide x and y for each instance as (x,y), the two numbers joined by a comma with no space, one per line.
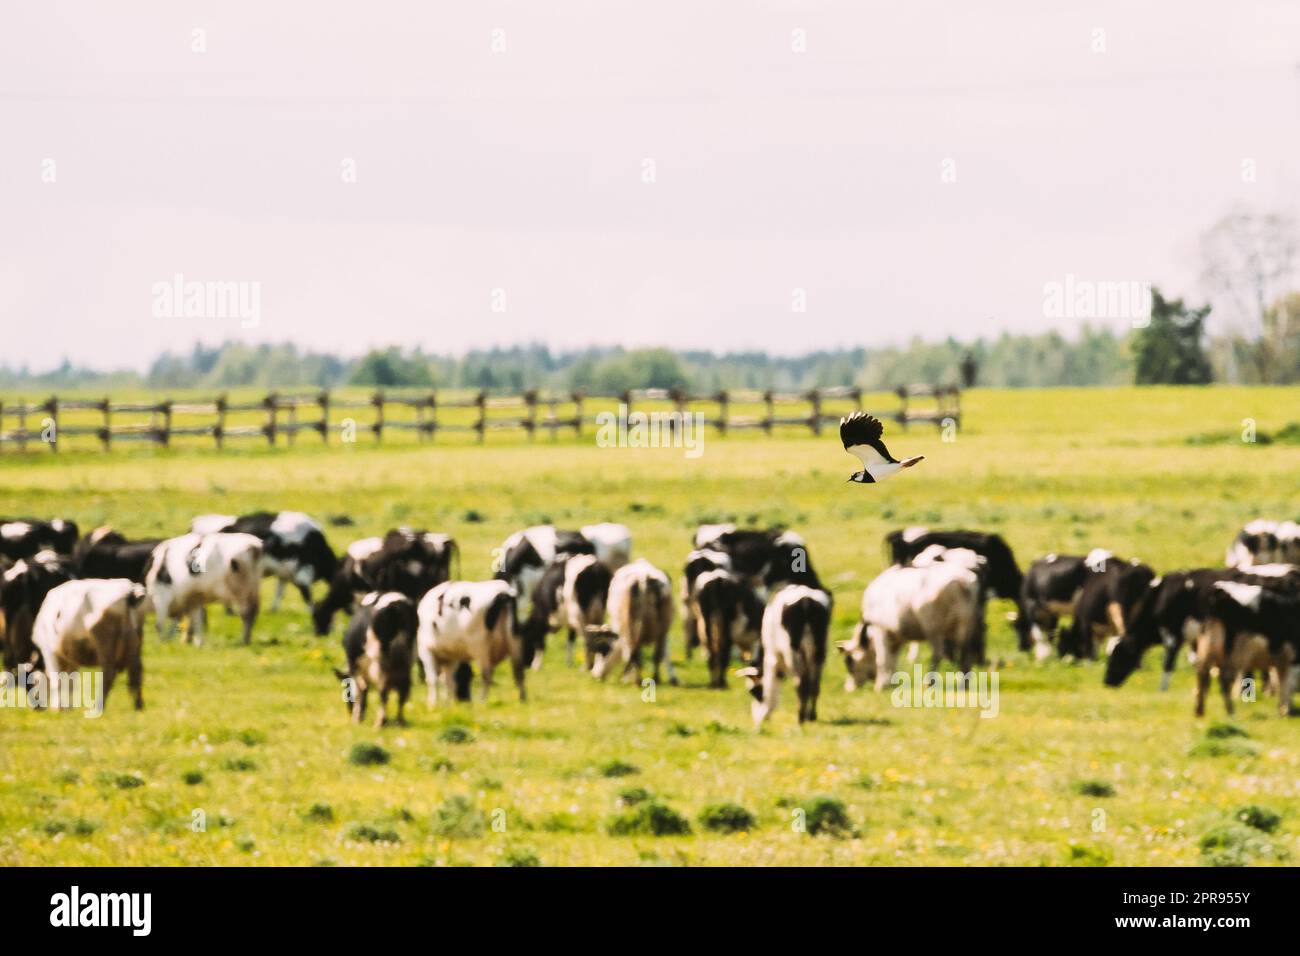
(918,169)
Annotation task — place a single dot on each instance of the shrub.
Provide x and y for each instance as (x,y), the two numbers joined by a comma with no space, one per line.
(192,777)
(826,815)
(456,734)
(128,781)
(631,796)
(1260,818)
(1222,730)
(617,768)
(649,819)
(1086,854)
(726,818)
(77,826)
(1232,844)
(518,856)
(1094,788)
(1224,748)
(319,813)
(239,764)
(458,818)
(368,755)
(365,833)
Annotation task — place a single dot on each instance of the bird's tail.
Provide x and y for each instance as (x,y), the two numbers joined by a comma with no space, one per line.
(909,462)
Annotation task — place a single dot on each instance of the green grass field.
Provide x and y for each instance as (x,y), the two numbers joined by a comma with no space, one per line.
(1069,772)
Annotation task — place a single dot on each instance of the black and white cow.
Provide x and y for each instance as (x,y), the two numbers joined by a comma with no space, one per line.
(294,549)
(24,537)
(380,647)
(105,553)
(729,613)
(1002,578)
(96,623)
(571,594)
(1249,627)
(523,558)
(937,605)
(699,562)
(1102,606)
(1256,543)
(796,627)
(1172,612)
(405,560)
(189,572)
(469,621)
(23,588)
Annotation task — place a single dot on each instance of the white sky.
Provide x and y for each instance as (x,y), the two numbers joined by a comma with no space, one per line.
(522,170)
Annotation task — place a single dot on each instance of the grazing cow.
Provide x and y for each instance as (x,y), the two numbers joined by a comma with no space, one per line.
(294,549)
(640,614)
(1257,543)
(1049,591)
(525,556)
(189,572)
(463,621)
(766,560)
(938,605)
(1173,611)
(23,588)
(405,560)
(24,537)
(1249,627)
(1288,542)
(105,553)
(571,593)
(1103,604)
(612,543)
(795,628)
(706,534)
(96,623)
(978,565)
(380,645)
(728,613)
(698,562)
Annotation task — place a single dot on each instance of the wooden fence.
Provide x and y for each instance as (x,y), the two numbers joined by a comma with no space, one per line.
(285,416)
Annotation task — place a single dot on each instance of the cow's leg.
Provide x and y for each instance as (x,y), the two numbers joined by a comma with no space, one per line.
(886,657)
(1042,643)
(663,652)
(305,591)
(430,674)
(518,671)
(381,700)
(362,692)
(402,693)
(568,651)
(134,680)
(247,617)
(485,668)
(1203,665)
(279,594)
(1227,680)
(689,634)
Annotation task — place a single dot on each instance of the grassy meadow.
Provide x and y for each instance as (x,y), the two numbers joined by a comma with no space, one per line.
(254,742)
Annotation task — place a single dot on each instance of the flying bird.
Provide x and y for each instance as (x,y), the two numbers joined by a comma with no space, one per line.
(861,433)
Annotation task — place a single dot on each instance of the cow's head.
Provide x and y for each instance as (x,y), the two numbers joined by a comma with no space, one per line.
(859,658)
(600,641)
(321,616)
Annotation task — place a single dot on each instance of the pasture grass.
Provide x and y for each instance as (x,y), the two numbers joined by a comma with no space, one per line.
(245,755)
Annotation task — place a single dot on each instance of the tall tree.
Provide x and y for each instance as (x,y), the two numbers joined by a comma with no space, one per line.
(1170,350)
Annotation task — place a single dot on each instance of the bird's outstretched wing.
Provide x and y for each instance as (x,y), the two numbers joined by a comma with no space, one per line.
(861,433)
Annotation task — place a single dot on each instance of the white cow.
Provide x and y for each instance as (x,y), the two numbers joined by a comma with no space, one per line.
(468,621)
(97,622)
(194,570)
(613,543)
(796,625)
(640,614)
(939,605)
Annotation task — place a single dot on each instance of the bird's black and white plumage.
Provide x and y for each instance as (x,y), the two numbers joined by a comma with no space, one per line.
(861,433)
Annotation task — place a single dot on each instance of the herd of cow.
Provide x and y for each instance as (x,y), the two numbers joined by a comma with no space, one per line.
(71,602)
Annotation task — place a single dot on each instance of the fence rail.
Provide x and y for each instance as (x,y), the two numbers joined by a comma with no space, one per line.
(287,415)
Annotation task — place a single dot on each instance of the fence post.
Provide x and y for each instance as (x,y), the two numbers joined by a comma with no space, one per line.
(377,400)
(22,426)
(530,412)
(323,400)
(769,403)
(433,414)
(106,433)
(219,429)
(269,428)
(815,397)
(857,398)
(901,391)
(52,409)
(2,425)
(723,400)
(577,412)
(167,423)
(481,425)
